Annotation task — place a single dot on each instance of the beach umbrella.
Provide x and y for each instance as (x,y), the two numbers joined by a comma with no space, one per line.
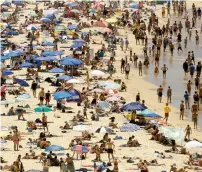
(7,72)
(104,130)
(6,102)
(69,61)
(5,3)
(81,128)
(21,82)
(56,70)
(50,16)
(111,20)
(111,91)
(47,58)
(100,24)
(26,64)
(81,41)
(133,106)
(134,5)
(48,44)
(75,81)
(45,20)
(97,90)
(54,148)
(32,27)
(113,99)
(50,11)
(61,95)
(60,28)
(12,32)
(103,104)
(97,73)
(113,85)
(42,109)
(92,10)
(129,127)
(6,14)
(75,11)
(193,144)
(23,96)
(103,30)
(80,148)
(72,4)
(52,53)
(64,77)
(148,114)
(57,21)
(13,54)
(33,14)
(76,45)
(72,27)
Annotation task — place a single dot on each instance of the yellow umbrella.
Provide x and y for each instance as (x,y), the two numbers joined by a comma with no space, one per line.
(112,20)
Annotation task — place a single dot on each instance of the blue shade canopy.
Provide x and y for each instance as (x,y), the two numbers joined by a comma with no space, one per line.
(45,20)
(75,96)
(54,148)
(26,64)
(56,70)
(79,41)
(133,106)
(48,44)
(32,27)
(149,114)
(14,54)
(42,109)
(134,5)
(5,57)
(52,53)
(24,96)
(72,27)
(76,45)
(61,95)
(47,58)
(12,32)
(72,4)
(21,82)
(68,61)
(50,16)
(64,77)
(7,72)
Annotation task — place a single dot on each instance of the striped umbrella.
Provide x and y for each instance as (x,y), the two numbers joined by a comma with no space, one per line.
(111,91)
(80,148)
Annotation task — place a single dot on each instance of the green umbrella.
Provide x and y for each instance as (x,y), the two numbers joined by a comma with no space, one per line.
(6,14)
(33,14)
(42,109)
(60,27)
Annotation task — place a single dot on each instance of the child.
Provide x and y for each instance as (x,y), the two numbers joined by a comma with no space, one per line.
(156,70)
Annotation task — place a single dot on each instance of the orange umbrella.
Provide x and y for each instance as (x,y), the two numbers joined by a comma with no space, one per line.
(100,24)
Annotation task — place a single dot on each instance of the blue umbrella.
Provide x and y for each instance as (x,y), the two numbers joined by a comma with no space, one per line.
(23,96)
(134,5)
(21,82)
(149,114)
(56,70)
(47,58)
(6,4)
(61,95)
(64,77)
(54,148)
(42,109)
(7,72)
(76,45)
(76,96)
(48,44)
(79,41)
(73,5)
(12,32)
(68,61)
(45,20)
(52,53)
(5,57)
(50,16)
(14,54)
(103,104)
(57,21)
(133,106)
(26,64)
(72,27)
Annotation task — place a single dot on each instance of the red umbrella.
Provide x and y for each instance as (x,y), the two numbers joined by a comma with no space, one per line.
(100,24)
(111,91)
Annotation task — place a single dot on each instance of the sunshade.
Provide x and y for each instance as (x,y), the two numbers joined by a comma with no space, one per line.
(42,109)
(113,98)
(68,61)
(47,58)
(61,95)
(114,86)
(80,148)
(193,144)
(32,27)
(81,128)
(45,20)
(6,102)
(52,53)
(103,104)
(72,27)
(60,28)
(134,5)
(79,41)
(21,82)
(56,70)
(48,44)
(111,91)
(54,148)
(50,16)
(149,113)
(7,72)
(64,77)
(26,64)
(75,11)
(133,106)
(97,90)
(128,127)
(23,96)
(101,24)
(76,45)
(33,14)
(104,130)
(97,73)
(75,81)
(76,96)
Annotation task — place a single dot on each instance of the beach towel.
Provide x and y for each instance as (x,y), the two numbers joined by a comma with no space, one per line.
(83,170)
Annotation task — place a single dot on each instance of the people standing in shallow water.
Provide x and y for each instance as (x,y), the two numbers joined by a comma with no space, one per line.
(160,93)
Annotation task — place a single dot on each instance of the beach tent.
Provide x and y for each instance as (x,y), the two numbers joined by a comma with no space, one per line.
(21,82)
(43,109)
(133,106)
(148,114)
(104,130)
(54,148)
(75,96)
(56,70)
(128,127)
(193,144)
(61,95)
(176,134)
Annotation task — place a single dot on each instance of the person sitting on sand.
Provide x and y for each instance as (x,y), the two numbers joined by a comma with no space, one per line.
(2,160)
(132,143)
(44,144)
(112,124)
(86,135)
(123,86)
(155,133)
(11,111)
(152,163)
(71,144)
(66,126)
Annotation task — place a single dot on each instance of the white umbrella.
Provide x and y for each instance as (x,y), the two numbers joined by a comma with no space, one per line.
(6,102)
(97,73)
(81,128)
(193,144)
(97,90)
(75,81)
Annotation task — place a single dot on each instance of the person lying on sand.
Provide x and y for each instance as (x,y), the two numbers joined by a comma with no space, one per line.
(152,163)
(2,160)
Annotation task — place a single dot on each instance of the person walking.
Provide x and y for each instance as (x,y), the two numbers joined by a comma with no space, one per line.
(164,69)
(192,70)
(195,119)
(182,110)
(188,132)
(135,58)
(185,67)
(127,70)
(167,111)
(160,93)
(123,62)
(41,96)
(44,122)
(126,44)
(196,98)
(48,97)
(110,149)
(140,68)
(34,87)
(169,94)
(189,87)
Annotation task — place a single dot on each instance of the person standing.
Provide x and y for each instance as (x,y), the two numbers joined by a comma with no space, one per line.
(164,69)
(45,166)
(44,122)
(126,43)
(140,68)
(110,149)
(169,94)
(196,98)
(121,43)
(34,87)
(48,97)
(167,111)
(16,139)
(185,67)
(127,70)
(160,93)
(41,96)
(189,87)
(123,62)
(185,42)
(192,70)
(135,58)
(195,119)
(182,110)
(70,163)
(187,132)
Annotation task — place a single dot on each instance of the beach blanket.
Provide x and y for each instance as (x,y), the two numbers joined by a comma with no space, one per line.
(128,127)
